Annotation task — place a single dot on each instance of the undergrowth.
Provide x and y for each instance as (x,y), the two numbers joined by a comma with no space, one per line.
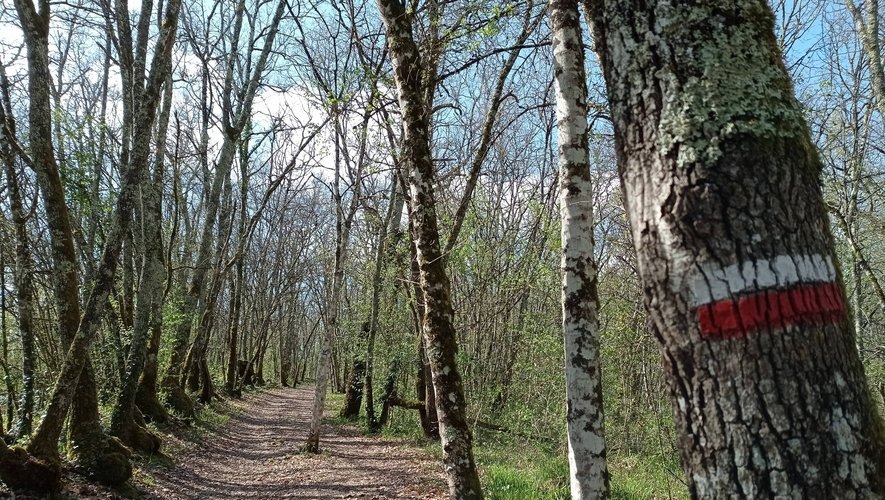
(178,437)
(512,468)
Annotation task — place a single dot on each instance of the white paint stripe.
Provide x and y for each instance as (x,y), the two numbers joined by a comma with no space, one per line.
(712,283)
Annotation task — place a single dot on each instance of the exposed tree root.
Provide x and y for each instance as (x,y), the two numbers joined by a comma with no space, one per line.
(150,406)
(180,401)
(134,435)
(20,470)
(105,460)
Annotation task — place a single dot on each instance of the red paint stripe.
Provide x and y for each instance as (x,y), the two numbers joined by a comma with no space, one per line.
(816,303)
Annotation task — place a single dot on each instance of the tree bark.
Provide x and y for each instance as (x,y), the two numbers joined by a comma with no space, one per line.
(106,459)
(580,300)
(722,184)
(149,238)
(94,452)
(438,318)
(24,286)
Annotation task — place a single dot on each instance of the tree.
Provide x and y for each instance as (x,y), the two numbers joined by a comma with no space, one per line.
(104,458)
(24,266)
(439,332)
(334,93)
(722,185)
(580,299)
(867,26)
(236,111)
(94,451)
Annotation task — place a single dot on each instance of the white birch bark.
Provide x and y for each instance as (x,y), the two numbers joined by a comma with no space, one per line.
(580,323)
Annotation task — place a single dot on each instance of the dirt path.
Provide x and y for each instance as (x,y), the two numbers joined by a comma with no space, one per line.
(255,455)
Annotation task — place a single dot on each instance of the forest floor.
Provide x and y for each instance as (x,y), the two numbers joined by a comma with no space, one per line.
(249,448)
(255,455)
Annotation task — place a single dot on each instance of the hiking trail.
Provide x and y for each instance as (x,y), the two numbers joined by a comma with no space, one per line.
(255,455)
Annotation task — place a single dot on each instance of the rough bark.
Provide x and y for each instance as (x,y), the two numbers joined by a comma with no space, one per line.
(734,249)
(35,26)
(353,391)
(237,288)
(24,287)
(18,469)
(588,470)
(105,458)
(424,379)
(354,387)
(146,398)
(389,390)
(438,318)
(86,434)
(149,238)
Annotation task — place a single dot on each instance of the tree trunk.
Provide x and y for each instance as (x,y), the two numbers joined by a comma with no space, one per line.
(871,41)
(146,398)
(149,238)
(87,436)
(385,231)
(580,301)
(353,392)
(105,459)
(343,223)
(24,286)
(234,123)
(722,184)
(426,394)
(438,318)
(230,383)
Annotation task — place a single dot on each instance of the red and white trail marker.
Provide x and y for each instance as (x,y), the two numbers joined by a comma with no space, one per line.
(738,299)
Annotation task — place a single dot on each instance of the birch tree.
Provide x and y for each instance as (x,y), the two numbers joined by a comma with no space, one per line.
(580,300)
(344,217)
(722,185)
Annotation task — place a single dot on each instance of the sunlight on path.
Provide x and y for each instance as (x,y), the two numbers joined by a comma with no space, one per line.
(255,456)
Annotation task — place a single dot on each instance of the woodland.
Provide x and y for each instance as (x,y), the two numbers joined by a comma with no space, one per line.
(598,249)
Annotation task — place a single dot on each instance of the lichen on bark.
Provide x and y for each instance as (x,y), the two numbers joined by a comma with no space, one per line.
(580,323)
(718,169)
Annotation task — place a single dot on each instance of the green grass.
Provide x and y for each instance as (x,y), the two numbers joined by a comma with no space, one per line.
(525,474)
(512,468)
(635,477)
(521,471)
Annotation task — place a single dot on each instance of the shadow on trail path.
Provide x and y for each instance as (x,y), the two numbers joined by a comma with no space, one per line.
(255,455)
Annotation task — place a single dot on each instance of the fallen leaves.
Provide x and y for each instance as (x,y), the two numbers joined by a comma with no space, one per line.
(256,456)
